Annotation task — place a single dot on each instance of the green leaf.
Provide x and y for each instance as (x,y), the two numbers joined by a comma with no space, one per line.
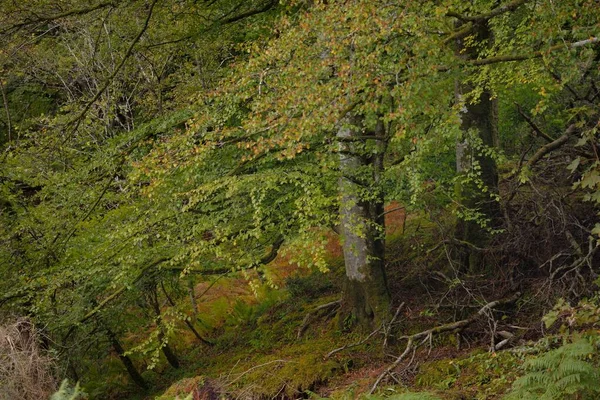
(574,164)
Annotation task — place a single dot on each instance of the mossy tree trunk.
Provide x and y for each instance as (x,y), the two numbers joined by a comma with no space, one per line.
(481,115)
(366,299)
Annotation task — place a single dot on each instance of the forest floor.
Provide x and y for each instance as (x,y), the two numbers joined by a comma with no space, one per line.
(275,343)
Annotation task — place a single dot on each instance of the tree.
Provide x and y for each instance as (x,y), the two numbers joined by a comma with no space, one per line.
(78,236)
(186,137)
(358,68)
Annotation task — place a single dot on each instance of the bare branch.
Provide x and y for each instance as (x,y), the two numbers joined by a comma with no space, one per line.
(50,18)
(551,146)
(81,115)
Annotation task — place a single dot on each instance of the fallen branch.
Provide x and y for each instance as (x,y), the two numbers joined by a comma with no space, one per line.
(413,340)
(388,370)
(506,336)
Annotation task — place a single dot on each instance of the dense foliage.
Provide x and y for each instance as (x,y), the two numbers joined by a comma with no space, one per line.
(152,146)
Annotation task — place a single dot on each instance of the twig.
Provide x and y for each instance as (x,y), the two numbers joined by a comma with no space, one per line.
(81,115)
(533,125)
(256,367)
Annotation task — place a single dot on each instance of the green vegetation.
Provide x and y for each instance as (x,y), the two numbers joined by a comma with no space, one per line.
(299,198)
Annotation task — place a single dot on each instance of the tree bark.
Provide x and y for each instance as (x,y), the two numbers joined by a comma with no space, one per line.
(366,299)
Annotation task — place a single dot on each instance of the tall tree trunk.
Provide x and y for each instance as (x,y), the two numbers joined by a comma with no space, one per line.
(366,299)
(133,372)
(481,115)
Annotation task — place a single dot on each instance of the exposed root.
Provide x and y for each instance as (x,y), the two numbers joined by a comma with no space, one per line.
(310,317)
(384,328)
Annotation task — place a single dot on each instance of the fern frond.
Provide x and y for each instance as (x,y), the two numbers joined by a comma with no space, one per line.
(560,374)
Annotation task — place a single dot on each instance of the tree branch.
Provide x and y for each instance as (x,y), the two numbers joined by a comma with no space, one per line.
(49,18)
(117,293)
(533,125)
(551,146)
(477,19)
(266,7)
(81,115)
(537,54)
(225,270)
(513,5)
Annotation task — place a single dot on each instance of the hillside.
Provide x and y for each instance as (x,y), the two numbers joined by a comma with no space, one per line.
(283,199)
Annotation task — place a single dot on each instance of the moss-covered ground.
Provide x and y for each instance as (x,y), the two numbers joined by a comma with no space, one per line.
(264,348)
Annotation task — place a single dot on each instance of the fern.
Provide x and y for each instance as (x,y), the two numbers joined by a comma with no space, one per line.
(562,373)
(68,392)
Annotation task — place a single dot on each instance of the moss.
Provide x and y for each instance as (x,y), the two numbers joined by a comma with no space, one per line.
(197,388)
(440,374)
(289,372)
(479,376)
(257,353)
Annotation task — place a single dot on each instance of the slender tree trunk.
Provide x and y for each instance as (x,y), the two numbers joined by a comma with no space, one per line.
(7,111)
(188,323)
(192,295)
(133,372)
(169,354)
(481,115)
(166,349)
(366,299)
